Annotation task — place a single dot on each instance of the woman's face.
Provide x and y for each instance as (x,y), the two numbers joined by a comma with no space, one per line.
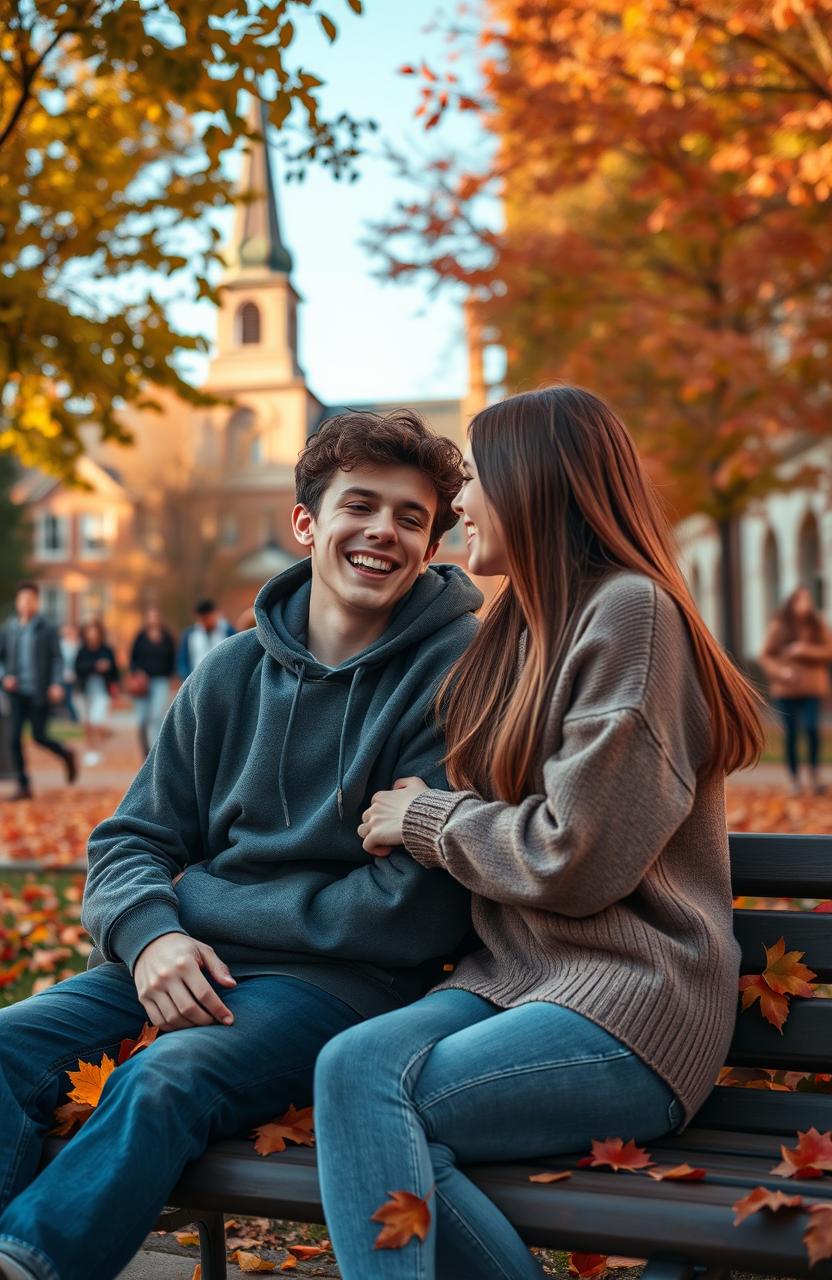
(803,605)
(484,534)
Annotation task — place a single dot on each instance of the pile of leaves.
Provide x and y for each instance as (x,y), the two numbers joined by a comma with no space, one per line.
(53,830)
(752,808)
(41,937)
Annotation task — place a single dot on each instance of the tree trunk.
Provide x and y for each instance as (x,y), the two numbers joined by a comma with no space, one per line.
(730,594)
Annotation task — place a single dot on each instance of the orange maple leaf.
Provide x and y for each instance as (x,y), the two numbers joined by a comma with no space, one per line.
(762,1198)
(308,1250)
(404,1215)
(90,1079)
(549,1176)
(293,1126)
(678,1173)
(70,1114)
(251,1261)
(587,1265)
(785,975)
(774,1007)
(818,1235)
(128,1047)
(809,1159)
(617,1154)
(288,1264)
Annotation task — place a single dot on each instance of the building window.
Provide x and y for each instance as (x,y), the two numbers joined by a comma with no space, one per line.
(243,446)
(96,530)
(93,602)
(53,600)
(247,323)
(51,536)
(809,559)
(229,532)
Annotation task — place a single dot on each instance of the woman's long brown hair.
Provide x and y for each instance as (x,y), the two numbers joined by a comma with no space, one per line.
(575,504)
(788,623)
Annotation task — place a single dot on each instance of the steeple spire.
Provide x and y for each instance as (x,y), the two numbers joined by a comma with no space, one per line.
(257,246)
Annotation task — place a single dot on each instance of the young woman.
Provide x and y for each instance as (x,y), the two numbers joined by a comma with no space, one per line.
(97,673)
(796,657)
(589,727)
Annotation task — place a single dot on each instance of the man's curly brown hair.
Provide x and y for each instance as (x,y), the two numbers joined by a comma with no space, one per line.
(400,438)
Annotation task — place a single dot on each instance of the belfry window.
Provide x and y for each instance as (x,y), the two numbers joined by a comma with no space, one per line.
(248,324)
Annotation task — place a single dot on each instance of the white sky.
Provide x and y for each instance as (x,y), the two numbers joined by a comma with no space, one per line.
(362,338)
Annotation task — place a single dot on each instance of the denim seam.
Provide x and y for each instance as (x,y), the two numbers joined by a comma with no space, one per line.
(426,1103)
(466,1227)
(412,1141)
(48,1074)
(252,1084)
(31,1256)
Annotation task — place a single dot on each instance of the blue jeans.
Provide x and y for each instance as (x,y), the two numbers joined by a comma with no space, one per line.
(794,712)
(402,1098)
(85,1215)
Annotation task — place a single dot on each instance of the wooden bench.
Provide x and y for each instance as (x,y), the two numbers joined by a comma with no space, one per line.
(684,1229)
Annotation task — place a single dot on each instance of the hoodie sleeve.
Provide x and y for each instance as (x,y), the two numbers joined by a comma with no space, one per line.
(154,833)
(389,912)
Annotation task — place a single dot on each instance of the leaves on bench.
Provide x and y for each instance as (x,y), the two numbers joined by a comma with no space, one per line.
(762,1198)
(293,1126)
(818,1235)
(676,1173)
(404,1215)
(617,1154)
(809,1159)
(784,976)
(89,1080)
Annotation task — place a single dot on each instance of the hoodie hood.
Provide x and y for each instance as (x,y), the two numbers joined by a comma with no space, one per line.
(439,596)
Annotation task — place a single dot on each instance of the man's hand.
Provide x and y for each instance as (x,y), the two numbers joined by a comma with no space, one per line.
(381,824)
(171,985)
(55,693)
(10,683)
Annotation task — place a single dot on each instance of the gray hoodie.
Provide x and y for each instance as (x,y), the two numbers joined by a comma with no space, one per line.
(257,782)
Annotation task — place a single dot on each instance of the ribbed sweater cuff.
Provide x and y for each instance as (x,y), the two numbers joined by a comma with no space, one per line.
(139,926)
(423,822)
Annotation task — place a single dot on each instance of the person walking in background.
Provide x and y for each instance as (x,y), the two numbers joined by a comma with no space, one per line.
(795,659)
(70,642)
(32,673)
(152,661)
(97,674)
(209,630)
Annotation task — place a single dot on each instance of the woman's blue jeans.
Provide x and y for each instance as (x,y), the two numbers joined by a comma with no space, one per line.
(405,1097)
(85,1215)
(795,712)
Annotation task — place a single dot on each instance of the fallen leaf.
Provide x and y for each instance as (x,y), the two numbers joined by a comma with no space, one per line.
(774,1007)
(251,1261)
(587,1265)
(404,1215)
(549,1177)
(90,1079)
(818,1235)
(70,1114)
(762,1198)
(809,1159)
(618,1264)
(293,1126)
(128,1047)
(197,1272)
(784,974)
(288,1264)
(186,1237)
(676,1173)
(617,1154)
(307,1250)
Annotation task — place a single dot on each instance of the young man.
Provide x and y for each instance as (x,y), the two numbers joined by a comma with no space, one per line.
(209,630)
(31,667)
(230,894)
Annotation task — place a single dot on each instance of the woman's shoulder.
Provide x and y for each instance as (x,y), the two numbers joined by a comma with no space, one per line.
(635,602)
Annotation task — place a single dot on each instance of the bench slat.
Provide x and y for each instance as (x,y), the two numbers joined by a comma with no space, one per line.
(802,1046)
(791,866)
(758,1111)
(801,930)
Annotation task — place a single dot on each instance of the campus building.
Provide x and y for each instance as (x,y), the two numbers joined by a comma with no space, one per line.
(200,503)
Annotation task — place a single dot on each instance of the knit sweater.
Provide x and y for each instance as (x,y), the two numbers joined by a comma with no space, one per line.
(607,889)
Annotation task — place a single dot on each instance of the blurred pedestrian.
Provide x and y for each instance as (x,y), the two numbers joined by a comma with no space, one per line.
(97,673)
(795,658)
(152,661)
(70,642)
(32,671)
(209,630)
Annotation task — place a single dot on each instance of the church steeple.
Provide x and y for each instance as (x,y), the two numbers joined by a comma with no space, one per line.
(257,247)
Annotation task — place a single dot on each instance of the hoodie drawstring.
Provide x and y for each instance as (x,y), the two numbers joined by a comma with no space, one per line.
(299,672)
(339,786)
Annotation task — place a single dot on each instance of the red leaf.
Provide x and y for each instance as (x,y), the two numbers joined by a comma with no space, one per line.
(404,1215)
(617,1154)
(762,1198)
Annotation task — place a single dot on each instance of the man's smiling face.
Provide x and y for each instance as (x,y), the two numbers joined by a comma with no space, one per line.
(371,537)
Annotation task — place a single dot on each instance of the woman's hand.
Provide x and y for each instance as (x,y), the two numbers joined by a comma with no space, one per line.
(381,824)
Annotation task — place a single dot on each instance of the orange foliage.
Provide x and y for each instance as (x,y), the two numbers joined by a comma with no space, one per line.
(809,1159)
(617,1154)
(293,1126)
(762,1198)
(782,977)
(404,1215)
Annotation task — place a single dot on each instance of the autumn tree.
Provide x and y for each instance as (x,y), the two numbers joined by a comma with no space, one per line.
(665,172)
(116,117)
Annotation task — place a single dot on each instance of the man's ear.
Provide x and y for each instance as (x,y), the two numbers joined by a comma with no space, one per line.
(429,554)
(302,525)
